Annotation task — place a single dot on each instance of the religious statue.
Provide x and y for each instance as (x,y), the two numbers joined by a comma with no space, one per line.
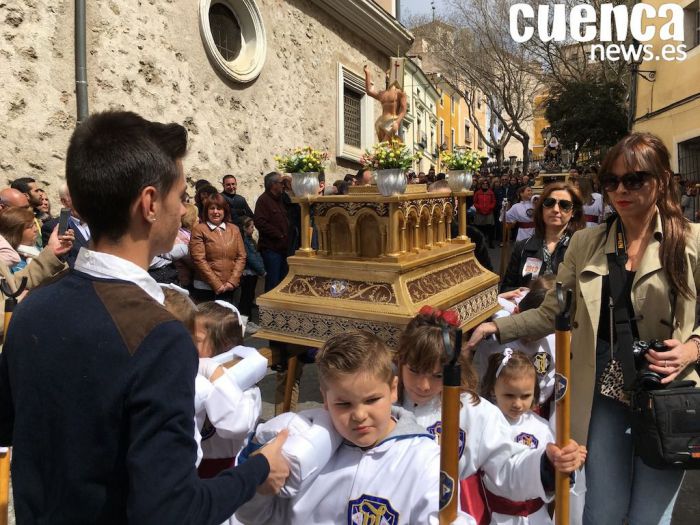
(552,152)
(393,100)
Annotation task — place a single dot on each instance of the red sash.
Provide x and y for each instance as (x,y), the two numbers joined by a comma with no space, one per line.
(472,498)
(592,218)
(526,224)
(209,468)
(513,508)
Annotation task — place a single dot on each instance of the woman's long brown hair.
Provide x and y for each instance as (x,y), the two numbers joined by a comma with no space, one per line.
(646,152)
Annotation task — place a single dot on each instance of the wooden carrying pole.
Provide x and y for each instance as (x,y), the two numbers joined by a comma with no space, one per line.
(10,304)
(505,240)
(449,437)
(563,397)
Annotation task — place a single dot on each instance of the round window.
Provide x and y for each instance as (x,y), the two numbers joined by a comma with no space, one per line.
(225,31)
(234,37)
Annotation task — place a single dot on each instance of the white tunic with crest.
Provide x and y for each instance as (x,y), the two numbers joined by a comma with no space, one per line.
(522,213)
(486,444)
(395,482)
(533,432)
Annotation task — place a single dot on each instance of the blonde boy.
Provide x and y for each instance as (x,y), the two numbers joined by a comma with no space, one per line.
(387,468)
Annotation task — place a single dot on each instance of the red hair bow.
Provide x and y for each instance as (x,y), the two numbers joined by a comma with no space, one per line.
(449,316)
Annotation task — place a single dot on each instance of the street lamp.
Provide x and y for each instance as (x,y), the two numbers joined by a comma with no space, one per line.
(648,75)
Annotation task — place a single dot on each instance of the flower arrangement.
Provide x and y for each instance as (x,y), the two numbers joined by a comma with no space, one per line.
(302,160)
(461,160)
(388,155)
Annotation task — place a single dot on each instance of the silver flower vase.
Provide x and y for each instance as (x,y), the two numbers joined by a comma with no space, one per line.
(391,181)
(305,184)
(459,180)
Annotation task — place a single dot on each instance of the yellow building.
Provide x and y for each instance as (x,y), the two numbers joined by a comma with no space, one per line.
(449,132)
(539,124)
(668,100)
(454,128)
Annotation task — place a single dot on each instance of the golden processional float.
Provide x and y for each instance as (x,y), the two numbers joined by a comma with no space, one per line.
(384,250)
(380,258)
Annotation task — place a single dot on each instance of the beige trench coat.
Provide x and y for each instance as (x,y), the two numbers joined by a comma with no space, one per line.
(43,267)
(582,270)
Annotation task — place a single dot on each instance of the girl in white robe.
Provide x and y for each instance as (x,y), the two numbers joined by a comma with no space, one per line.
(485,441)
(511,381)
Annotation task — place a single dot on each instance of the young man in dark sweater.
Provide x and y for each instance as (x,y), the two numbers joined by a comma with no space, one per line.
(239,206)
(97,399)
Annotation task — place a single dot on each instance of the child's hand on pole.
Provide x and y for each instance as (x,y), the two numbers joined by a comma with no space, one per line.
(568,458)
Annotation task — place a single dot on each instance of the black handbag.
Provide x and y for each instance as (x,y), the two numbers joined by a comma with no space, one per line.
(665,421)
(666,426)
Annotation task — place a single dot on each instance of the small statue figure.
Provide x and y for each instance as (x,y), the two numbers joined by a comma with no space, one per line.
(394,106)
(552,153)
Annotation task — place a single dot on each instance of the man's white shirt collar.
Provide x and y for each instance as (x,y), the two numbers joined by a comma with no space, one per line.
(106,266)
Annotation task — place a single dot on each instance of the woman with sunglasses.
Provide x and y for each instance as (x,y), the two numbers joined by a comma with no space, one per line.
(558,213)
(661,272)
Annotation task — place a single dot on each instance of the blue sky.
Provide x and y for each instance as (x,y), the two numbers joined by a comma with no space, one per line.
(423,7)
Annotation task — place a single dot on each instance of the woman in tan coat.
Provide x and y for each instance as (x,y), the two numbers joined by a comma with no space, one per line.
(217,252)
(661,254)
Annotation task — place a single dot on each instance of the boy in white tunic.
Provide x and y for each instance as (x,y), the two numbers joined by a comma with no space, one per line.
(386,471)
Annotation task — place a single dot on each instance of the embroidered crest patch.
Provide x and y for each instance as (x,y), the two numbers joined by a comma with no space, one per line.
(530,212)
(447,489)
(371,510)
(561,384)
(526,439)
(435,430)
(542,362)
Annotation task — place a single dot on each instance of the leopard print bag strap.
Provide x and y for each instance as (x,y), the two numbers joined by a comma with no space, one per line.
(611,381)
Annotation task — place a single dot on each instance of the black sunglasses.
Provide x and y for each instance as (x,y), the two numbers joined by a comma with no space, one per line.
(631,181)
(564,205)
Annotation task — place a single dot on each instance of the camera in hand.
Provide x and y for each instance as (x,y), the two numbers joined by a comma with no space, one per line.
(647,379)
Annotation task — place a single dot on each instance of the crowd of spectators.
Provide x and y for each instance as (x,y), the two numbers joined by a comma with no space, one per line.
(219,255)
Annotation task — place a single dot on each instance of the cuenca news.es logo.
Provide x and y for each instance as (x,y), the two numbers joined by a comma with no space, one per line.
(584,26)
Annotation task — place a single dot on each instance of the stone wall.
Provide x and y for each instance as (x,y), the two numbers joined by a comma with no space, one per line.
(148,56)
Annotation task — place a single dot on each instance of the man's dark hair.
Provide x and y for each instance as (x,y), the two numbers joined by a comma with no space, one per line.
(269,177)
(111,157)
(532,300)
(204,192)
(229,176)
(200,183)
(440,176)
(349,178)
(22,184)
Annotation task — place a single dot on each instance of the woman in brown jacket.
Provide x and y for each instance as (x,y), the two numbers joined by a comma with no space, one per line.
(217,251)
